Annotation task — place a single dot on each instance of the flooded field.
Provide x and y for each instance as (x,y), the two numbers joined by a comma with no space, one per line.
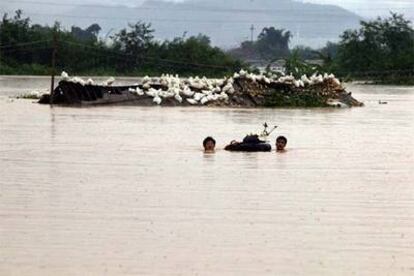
(128,191)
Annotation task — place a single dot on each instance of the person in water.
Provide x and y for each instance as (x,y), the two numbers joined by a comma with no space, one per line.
(281,142)
(209,144)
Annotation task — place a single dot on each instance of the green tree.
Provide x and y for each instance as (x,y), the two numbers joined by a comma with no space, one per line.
(134,43)
(306,52)
(296,66)
(193,56)
(89,34)
(135,40)
(380,45)
(273,43)
(27,49)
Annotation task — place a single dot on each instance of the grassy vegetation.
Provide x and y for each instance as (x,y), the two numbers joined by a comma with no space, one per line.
(303,99)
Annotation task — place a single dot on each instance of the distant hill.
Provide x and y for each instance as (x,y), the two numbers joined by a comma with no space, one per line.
(227,22)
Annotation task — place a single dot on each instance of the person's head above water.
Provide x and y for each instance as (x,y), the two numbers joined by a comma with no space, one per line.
(281,142)
(209,144)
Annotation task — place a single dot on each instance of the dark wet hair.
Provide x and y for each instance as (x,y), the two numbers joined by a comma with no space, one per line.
(281,138)
(209,138)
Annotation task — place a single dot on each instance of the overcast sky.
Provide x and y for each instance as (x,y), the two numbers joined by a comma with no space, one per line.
(371,7)
(367,8)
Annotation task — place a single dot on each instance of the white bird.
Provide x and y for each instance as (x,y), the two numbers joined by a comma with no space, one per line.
(296,83)
(90,82)
(157,100)
(305,79)
(139,92)
(146,79)
(251,77)
(178,98)
(320,79)
(282,79)
(336,81)
(175,90)
(216,89)
(220,82)
(206,92)
(315,79)
(64,76)
(289,78)
(77,80)
(109,81)
(204,100)
(192,101)
(223,96)
(197,85)
(146,86)
(211,97)
(165,94)
(242,73)
(163,81)
(187,92)
(198,96)
(153,93)
(229,89)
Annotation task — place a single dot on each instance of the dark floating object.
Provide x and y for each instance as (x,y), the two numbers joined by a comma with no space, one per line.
(70,93)
(251,143)
(381,102)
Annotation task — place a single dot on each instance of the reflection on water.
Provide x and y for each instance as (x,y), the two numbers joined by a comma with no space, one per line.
(128,190)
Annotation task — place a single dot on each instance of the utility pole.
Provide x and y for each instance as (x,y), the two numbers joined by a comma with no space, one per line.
(184,34)
(54,52)
(0,54)
(252,33)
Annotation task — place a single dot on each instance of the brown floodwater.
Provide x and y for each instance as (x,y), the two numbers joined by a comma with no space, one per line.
(128,191)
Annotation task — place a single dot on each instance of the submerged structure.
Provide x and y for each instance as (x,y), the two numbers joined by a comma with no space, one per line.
(243,89)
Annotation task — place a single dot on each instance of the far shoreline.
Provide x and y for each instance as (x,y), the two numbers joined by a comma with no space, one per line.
(131,78)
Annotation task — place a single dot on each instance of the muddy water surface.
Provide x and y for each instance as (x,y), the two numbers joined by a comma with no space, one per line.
(128,191)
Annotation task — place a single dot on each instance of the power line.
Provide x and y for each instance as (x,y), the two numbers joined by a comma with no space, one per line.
(32,49)
(23,44)
(127,57)
(150,58)
(174,63)
(252,28)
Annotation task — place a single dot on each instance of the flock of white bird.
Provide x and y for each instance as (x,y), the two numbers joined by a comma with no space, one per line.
(200,91)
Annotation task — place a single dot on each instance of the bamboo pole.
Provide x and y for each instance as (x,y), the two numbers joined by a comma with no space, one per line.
(52,81)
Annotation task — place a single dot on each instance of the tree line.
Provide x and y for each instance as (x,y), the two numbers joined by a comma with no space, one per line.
(381,49)
(27,49)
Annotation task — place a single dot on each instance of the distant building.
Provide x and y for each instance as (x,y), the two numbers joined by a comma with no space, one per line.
(262,65)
